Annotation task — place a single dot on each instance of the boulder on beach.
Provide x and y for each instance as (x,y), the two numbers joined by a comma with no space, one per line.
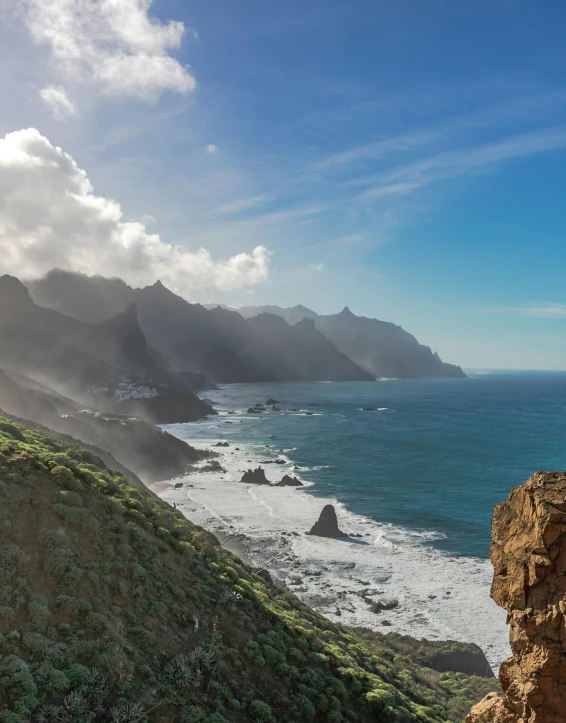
(255,477)
(289,481)
(327,524)
(381,605)
(221,444)
(272,401)
(212,466)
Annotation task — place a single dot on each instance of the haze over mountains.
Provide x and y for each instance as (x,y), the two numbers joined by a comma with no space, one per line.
(103,362)
(380,347)
(251,344)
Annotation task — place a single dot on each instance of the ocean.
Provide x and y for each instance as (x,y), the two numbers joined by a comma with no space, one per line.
(414,466)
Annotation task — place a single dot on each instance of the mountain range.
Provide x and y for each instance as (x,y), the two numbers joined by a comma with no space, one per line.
(102,362)
(381,348)
(249,344)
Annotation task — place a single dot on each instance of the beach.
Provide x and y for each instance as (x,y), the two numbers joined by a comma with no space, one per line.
(427,593)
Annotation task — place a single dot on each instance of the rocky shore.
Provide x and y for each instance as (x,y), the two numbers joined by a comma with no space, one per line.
(375,577)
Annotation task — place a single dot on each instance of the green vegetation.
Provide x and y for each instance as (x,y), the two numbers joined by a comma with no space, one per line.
(113,607)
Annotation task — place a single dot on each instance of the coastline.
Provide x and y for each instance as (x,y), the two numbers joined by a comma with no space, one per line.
(440,596)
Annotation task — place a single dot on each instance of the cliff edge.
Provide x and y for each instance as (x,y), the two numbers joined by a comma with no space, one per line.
(528,553)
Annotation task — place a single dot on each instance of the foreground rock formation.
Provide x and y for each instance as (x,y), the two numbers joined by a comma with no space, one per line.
(327,524)
(528,553)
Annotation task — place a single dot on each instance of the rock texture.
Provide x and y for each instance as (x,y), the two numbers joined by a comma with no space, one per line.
(288,481)
(255,477)
(327,524)
(528,553)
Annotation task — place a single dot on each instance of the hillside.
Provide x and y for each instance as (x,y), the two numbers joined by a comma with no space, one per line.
(148,451)
(113,607)
(380,347)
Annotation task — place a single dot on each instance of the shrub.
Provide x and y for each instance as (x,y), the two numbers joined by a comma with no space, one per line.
(261,712)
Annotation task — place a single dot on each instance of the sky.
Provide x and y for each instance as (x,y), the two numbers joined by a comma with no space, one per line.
(406,159)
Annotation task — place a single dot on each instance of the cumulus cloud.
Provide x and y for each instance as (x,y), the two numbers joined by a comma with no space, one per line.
(113,44)
(211,149)
(50,217)
(58,101)
(317,267)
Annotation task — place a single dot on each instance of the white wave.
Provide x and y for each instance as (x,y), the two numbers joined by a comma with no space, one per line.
(440,596)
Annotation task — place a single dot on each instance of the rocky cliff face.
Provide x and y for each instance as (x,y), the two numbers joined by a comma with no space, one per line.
(528,553)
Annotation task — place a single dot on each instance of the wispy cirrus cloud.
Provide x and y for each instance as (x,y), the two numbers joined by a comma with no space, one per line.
(549,310)
(468,161)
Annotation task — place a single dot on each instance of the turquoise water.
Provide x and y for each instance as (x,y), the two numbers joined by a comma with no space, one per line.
(437,456)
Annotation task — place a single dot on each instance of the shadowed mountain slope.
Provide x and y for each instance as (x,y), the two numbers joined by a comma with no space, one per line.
(215,342)
(380,347)
(305,349)
(114,607)
(76,358)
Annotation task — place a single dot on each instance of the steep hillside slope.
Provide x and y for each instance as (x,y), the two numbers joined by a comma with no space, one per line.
(303,353)
(148,451)
(113,607)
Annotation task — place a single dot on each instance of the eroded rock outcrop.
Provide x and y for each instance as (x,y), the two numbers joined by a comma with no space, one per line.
(327,524)
(288,481)
(528,553)
(255,477)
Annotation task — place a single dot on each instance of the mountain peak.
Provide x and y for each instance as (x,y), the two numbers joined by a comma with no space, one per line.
(346,311)
(11,287)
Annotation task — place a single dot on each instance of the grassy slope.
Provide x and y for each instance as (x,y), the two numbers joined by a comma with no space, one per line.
(113,607)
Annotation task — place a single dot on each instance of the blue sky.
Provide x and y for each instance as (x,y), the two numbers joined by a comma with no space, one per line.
(407,159)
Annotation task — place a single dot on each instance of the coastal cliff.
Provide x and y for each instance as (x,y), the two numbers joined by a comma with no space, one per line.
(528,553)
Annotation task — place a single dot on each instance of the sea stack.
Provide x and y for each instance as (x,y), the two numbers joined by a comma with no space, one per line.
(327,524)
(255,477)
(528,554)
(288,481)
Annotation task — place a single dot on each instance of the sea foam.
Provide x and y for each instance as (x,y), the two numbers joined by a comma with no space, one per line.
(440,596)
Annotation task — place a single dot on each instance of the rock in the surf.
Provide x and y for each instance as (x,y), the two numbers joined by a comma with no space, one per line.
(381,605)
(253,410)
(289,481)
(327,524)
(255,477)
(272,401)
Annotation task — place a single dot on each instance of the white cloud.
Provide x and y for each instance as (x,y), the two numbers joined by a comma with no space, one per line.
(317,267)
(211,149)
(50,217)
(112,44)
(58,101)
